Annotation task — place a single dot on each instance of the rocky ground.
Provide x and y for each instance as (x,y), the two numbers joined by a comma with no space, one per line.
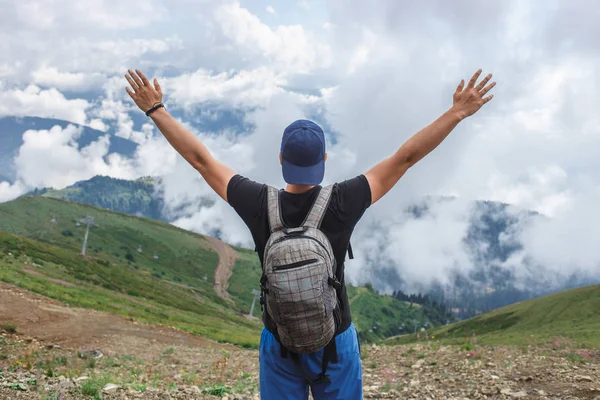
(33,370)
(54,352)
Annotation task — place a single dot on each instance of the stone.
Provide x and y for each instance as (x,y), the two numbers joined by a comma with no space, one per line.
(195,389)
(110,388)
(509,392)
(66,384)
(584,378)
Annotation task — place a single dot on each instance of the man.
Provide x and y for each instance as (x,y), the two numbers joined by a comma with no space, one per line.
(303,158)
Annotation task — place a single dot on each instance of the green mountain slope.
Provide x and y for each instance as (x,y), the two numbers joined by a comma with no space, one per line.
(116,277)
(131,197)
(573,314)
(379,316)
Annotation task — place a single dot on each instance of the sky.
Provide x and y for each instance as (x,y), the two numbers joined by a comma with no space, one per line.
(371,73)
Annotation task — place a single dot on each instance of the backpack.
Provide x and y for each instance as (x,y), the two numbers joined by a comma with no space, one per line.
(299,285)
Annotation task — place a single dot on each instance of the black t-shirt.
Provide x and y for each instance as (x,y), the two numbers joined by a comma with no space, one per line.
(349,200)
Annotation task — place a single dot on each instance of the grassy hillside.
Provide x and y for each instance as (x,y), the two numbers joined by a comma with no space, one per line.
(116,277)
(131,197)
(573,314)
(379,316)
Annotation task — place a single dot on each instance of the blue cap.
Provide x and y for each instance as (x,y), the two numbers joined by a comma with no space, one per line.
(303,153)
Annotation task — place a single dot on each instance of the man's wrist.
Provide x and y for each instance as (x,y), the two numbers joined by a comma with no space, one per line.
(456,114)
(158,113)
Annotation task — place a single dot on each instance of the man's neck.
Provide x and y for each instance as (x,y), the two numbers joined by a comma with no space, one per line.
(297,189)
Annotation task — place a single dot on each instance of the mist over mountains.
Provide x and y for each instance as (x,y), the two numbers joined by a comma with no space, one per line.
(481,278)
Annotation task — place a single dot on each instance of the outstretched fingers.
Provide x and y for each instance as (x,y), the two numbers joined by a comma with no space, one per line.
(143,77)
(132,82)
(136,78)
(486,99)
(487,89)
(474,79)
(461,86)
(482,84)
(157,86)
(130,92)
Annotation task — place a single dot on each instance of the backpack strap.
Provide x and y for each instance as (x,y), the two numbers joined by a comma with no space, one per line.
(318,209)
(275,220)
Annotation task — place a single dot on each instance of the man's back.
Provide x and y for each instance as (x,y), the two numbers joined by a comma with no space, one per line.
(348,203)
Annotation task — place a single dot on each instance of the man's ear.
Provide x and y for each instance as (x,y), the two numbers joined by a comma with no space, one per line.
(325,159)
(280,159)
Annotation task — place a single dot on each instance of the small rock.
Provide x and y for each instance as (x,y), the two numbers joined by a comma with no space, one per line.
(195,389)
(65,384)
(509,392)
(80,379)
(584,378)
(418,364)
(110,387)
(495,377)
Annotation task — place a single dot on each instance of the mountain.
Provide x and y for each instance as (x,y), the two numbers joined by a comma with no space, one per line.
(152,271)
(11,139)
(571,315)
(486,285)
(137,197)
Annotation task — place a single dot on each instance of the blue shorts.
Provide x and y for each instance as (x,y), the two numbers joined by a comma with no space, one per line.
(282,379)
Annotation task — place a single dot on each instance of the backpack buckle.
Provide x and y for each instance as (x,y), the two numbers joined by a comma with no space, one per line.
(335,283)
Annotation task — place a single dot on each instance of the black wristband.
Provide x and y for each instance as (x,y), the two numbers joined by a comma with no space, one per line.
(156,107)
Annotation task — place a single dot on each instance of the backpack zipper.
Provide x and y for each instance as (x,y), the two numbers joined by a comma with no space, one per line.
(296,264)
(281,239)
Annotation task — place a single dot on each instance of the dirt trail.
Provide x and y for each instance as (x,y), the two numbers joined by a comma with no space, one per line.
(227,257)
(50,321)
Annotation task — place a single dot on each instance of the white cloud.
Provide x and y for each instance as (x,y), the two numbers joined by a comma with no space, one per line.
(9,192)
(271,10)
(244,88)
(374,73)
(52,158)
(293,49)
(72,81)
(50,103)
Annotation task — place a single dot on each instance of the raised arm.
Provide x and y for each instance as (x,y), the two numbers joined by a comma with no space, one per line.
(467,101)
(145,95)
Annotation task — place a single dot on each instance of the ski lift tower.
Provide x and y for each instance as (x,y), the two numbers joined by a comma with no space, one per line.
(256,294)
(88,221)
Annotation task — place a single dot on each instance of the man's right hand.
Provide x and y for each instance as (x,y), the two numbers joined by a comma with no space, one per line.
(467,101)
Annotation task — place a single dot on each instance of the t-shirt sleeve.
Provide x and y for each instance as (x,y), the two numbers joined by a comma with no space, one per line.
(246,197)
(353,197)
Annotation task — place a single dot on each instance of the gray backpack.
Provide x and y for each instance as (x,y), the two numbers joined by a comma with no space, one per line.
(298,283)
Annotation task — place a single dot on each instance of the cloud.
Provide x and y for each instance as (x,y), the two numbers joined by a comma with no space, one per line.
(50,103)
(244,88)
(372,75)
(76,82)
(289,46)
(271,10)
(9,192)
(52,158)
